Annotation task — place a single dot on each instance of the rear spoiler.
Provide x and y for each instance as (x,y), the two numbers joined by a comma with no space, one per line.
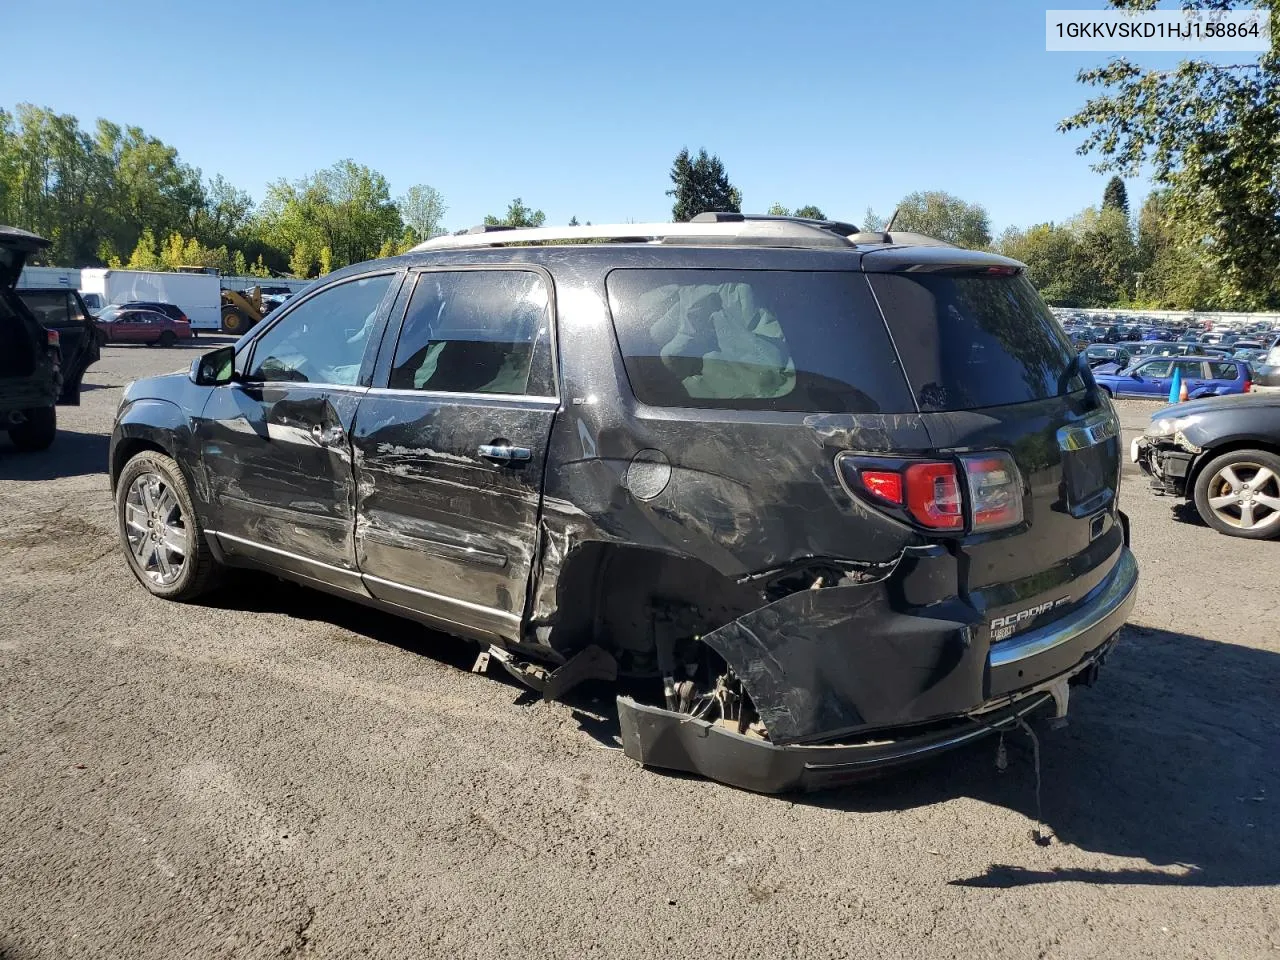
(928,259)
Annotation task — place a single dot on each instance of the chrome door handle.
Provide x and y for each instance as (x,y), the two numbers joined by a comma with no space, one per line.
(328,436)
(504,452)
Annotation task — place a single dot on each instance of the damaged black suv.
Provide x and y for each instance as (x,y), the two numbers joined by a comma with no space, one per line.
(847,498)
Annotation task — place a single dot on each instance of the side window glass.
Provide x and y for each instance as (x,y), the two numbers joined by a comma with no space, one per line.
(1190,369)
(1160,368)
(1222,371)
(322,340)
(476,331)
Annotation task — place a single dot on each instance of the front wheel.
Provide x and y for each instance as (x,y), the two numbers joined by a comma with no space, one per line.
(161,535)
(37,431)
(1238,494)
(233,321)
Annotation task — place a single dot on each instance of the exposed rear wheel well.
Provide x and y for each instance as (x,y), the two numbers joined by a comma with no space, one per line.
(628,599)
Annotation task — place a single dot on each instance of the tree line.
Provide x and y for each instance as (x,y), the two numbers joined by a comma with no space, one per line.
(115,196)
(1208,236)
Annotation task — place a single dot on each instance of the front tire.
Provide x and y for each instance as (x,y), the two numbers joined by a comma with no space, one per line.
(163,542)
(37,431)
(1238,494)
(233,321)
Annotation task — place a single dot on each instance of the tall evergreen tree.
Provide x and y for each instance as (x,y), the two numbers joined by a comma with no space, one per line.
(1115,196)
(701,185)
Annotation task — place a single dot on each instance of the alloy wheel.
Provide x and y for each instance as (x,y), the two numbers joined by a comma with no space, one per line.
(156,529)
(1245,495)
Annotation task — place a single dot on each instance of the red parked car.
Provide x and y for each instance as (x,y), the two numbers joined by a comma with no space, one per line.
(132,325)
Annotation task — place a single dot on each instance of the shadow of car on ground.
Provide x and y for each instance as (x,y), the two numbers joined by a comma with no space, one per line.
(73,454)
(1172,759)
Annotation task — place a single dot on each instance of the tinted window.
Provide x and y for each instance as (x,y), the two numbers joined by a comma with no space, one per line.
(971,341)
(755,340)
(323,340)
(1223,371)
(1191,369)
(1156,368)
(50,307)
(476,331)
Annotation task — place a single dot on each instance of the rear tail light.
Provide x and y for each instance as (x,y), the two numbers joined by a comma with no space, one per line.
(53,337)
(182,318)
(884,484)
(981,494)
(995,490)
(933,496)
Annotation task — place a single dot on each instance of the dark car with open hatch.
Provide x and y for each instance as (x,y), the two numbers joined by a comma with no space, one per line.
(837,500)
(47,342)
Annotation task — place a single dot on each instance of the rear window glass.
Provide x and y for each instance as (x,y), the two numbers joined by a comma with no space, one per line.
(49,307)
(755,340)
(970,341)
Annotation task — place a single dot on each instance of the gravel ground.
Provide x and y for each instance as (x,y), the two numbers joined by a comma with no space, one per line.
(279,773)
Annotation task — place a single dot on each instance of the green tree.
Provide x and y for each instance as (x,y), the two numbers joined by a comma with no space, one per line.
(517,215)
(145,256)
(302,260)
(1115,196)
(1210,135)
(346,207)
(423,208)
(940,215)
(812,212)
(701,185)
(778,210)
(259,269)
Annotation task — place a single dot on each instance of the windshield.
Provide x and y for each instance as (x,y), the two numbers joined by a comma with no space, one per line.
(971,340)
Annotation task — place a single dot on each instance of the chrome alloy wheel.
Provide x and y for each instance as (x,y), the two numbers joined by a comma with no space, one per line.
(1246,496)
(155,528)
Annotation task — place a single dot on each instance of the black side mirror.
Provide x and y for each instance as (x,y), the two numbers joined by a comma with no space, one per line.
(214,369)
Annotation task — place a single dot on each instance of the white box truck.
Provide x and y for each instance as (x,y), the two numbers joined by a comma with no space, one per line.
(49,277)
(198,294)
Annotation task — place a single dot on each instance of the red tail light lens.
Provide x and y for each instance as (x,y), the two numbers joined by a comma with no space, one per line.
(995,490)
(885,484)
(933,496)
(53,337)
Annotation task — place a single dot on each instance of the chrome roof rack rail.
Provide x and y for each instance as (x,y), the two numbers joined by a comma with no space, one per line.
(743,229)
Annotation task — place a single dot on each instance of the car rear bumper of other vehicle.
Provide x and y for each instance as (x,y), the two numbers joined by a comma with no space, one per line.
(1016,677)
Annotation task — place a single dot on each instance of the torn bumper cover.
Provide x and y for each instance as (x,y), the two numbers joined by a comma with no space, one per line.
(845,686)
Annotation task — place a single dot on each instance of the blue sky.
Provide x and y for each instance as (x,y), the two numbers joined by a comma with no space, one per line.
(579,108)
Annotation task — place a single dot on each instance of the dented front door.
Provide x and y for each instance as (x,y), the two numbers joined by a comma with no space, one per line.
(277,458)
(275,446)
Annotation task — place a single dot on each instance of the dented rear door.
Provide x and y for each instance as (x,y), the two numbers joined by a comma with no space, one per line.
(450,448)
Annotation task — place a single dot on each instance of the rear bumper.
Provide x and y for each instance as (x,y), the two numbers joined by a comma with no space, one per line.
(1016,677)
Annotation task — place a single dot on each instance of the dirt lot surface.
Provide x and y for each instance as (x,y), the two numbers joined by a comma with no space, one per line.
(279,773)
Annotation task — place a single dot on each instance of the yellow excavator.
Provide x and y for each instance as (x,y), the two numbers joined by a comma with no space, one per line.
(241,310)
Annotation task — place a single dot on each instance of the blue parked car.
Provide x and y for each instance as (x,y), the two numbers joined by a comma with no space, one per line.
(1152,377)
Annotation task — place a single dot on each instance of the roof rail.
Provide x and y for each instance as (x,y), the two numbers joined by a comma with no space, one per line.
(766,231)
(835,226)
